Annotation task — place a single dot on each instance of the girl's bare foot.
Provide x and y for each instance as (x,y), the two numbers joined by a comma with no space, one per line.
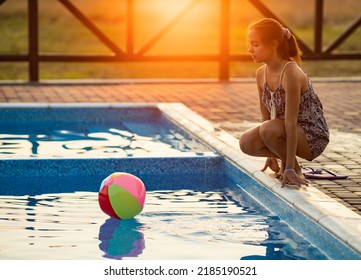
(272,164)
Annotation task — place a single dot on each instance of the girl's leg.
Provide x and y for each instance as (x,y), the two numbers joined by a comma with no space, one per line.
(252,144)
(273,135)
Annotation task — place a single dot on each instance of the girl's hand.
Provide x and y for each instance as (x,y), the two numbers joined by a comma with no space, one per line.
(272,163)
(290,177)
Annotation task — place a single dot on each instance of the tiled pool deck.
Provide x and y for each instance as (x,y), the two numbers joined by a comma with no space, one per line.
(233,107)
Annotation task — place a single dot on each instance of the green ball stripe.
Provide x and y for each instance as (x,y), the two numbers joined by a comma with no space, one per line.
(123,203)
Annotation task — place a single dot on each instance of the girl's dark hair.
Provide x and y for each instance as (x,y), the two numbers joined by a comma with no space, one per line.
(271,30)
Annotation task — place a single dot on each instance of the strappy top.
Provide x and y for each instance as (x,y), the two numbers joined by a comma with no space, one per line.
(310,116)
(275,101)
(282,71)
(273,104)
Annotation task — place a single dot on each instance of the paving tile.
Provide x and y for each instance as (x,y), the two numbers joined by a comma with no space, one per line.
(345,195)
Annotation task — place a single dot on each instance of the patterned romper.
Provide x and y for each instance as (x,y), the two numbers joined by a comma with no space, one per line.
(310,116)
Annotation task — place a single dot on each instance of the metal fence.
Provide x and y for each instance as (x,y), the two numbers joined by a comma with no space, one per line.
(223,57)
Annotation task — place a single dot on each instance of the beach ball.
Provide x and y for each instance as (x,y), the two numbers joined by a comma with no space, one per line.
(122,195)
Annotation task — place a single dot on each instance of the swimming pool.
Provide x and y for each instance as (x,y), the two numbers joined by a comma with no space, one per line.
(200,205)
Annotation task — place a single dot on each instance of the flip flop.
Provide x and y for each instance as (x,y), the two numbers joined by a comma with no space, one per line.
(319,174)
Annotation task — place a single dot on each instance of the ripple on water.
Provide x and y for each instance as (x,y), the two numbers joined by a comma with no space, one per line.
(182,224)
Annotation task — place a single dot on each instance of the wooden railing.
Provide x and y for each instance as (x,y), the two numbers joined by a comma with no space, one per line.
(223,57)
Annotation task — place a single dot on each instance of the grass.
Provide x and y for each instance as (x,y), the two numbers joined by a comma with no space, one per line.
(60,32)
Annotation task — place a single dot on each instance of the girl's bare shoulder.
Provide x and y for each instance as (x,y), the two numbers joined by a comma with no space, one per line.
(295,73)
(260,75)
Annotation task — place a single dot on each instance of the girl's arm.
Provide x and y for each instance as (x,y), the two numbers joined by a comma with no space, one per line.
(271,162)
(265,114)
(292,84)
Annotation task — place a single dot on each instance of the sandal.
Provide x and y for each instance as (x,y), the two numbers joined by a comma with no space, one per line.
(322,174)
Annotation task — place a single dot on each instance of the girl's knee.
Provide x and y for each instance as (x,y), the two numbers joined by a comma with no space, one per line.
(250,141)
(244,143)
(266,131)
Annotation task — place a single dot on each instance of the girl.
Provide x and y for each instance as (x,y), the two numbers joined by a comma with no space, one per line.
(293,123)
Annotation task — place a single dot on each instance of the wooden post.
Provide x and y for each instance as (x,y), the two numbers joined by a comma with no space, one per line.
(318,26)
(33,38)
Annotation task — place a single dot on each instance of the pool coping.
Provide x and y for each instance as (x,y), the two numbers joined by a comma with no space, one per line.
(331,215)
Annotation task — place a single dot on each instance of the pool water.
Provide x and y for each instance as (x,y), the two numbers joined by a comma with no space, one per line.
(174,224)
(44,133)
